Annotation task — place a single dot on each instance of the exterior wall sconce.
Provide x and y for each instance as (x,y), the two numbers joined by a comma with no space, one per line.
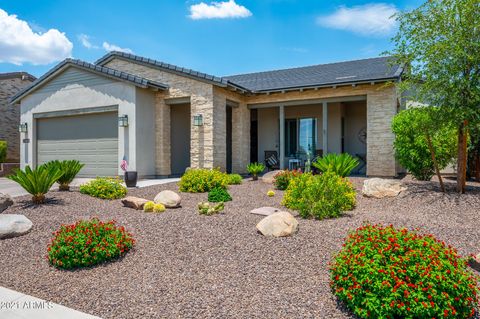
(123,121)
(23,127)
(198,120)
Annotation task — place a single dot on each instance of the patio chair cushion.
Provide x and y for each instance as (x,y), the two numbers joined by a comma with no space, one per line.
(272,160)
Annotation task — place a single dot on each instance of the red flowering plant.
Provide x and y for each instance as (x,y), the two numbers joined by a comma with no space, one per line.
(384,272)
(282,179)
(87,243)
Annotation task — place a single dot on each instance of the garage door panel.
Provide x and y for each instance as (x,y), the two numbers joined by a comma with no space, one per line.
(98,150)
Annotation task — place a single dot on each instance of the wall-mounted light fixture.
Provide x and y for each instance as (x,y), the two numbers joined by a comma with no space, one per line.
(23,128)
(198,120)
(123,120)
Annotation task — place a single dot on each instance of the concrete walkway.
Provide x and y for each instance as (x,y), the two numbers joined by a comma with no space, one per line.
(15,305)
(13,189)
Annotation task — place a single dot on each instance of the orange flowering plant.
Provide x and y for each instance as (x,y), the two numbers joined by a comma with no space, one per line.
(384,272)
(87,243)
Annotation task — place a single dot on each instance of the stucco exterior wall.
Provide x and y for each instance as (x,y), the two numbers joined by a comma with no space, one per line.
(10,115)
(145,136)
(74,95)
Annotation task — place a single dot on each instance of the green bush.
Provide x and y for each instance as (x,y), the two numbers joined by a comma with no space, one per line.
(3,151)
(36,182)
(340,164)
(158,208)
(218,195)
(69,169)
(88,243)
(384,272)
(203,180)
(411,149)
(207,209)
(104,188)
(282,179)
(234,179)
(320,196)
(255,168)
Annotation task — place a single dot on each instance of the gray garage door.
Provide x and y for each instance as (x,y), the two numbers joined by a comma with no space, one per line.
(92,139)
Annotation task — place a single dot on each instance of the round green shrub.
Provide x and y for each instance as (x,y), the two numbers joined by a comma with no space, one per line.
(88,243)
(148,207)
(411,149)
(234,179)
(202,180)
(320,196)
(218,195)
(104,188)
(384,272)
(158,208)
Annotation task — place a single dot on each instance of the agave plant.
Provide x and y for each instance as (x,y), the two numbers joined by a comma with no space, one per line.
(38,181)
(69,169)
(340,164)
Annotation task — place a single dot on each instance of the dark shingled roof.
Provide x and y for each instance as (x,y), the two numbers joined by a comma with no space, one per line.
(367,70)
(108,72)
(19,75)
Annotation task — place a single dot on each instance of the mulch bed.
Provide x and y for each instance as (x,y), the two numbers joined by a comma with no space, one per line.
(190,266)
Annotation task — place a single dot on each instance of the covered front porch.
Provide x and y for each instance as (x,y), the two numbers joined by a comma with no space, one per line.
(295,131)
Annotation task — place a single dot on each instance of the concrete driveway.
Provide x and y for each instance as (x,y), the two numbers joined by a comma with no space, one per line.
(13,189)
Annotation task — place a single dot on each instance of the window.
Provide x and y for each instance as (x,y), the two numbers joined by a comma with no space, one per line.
(300,136)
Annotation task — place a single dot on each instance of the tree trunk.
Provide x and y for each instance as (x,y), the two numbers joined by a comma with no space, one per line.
(434,160)
(462,157)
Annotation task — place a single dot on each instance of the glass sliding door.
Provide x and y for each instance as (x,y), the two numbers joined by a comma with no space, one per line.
(307,135)
(300,137)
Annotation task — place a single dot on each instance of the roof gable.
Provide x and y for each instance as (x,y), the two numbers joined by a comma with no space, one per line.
(88,67)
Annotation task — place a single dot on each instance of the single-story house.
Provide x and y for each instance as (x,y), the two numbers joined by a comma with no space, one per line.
(10,84)
(163,118)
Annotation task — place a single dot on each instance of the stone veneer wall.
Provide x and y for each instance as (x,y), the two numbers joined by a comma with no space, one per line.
(10,115)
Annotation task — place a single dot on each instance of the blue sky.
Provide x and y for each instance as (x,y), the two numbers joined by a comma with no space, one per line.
(221,38)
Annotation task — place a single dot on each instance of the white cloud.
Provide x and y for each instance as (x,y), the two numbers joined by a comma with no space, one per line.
(20,44)
(369,19)
(218,10)
(85,41)
(112,47)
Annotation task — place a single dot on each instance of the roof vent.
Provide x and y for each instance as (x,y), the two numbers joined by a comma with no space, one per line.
(345,77)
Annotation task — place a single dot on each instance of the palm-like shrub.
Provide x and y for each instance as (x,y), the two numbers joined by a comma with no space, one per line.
(69,169)
(340,164)
(36,182)
(254,169)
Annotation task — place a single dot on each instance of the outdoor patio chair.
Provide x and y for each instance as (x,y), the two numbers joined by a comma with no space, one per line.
(271,160)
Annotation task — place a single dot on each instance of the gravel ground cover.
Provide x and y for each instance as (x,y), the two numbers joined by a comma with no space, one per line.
(189,266)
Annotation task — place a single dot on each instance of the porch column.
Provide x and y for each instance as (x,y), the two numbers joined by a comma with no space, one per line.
(325,127)
(281,148)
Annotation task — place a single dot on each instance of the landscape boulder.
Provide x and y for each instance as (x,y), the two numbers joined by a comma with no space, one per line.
(134,202)
(168,198)
(5,202)
(269,177)
(12,225)
(279,224)
(264,211)
(380,188)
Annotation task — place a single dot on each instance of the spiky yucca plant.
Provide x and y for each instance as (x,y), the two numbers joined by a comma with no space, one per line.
(340,164)
(69,169)
(38,181)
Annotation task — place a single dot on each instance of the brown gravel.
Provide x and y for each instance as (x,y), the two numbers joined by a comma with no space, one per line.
(190,266)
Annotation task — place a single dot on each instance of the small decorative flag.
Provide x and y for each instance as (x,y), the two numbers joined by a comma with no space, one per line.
(124,164)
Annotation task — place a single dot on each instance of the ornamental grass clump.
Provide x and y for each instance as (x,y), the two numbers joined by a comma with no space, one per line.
(88,243)
(203,180)
(104,188)
(384,272)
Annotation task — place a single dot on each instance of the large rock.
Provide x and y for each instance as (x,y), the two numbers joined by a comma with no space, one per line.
(264,211)
(12,225)
(168,198)
(279,224)
(134,202)
(5,202)
(379,188)
(269,177)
